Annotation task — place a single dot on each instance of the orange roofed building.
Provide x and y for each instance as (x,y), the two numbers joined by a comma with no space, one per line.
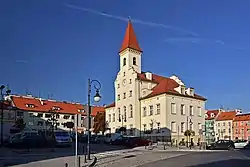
(224,124)
(36,111)
(241,127)
(145,101)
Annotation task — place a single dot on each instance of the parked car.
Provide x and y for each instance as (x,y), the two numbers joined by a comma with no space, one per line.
(32,140)
(110,138)
(221,145)
(136,141)
(63,138)
(242,144)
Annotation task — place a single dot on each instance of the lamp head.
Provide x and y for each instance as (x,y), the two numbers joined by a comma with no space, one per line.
(97,96)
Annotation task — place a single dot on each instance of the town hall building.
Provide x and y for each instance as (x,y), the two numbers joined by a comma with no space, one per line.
(150,104)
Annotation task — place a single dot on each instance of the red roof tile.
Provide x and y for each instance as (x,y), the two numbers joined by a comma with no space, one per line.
(47,105)
(225,116)
(130,40)
(210,113)
(242,117)
(165,85)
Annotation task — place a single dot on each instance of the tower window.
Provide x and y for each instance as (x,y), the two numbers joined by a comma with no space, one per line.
(124,61)
(134,61)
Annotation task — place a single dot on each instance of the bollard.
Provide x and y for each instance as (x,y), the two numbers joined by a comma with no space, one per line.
(66,164)
(164,147)
(79,161)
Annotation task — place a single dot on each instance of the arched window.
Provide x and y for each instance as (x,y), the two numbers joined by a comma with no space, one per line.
(124,61)
(119,114)
(131,111)
(125,112)
(134,61)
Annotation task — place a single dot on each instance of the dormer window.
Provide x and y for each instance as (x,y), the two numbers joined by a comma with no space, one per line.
(134,61)
(56,108)
(182,90)
(30,105)
(206,116)
(212,115)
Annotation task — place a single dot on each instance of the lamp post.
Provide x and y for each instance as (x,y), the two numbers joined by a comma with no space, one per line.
(189,121)
(8,91)
(97,98)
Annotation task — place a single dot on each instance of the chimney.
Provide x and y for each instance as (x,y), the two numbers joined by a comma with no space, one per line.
(148,75)
(41,101)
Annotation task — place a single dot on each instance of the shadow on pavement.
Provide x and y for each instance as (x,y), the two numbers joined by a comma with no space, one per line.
(10,157)
(226,163)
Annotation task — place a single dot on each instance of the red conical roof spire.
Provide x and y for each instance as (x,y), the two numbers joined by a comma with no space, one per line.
(130,40)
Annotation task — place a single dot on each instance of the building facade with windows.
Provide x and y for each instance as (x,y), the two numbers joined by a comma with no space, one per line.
(241,127)
(146,102)
(224,125)
(210,117)
(36,112)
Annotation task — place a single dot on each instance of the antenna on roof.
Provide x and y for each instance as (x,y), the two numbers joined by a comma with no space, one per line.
(39,94)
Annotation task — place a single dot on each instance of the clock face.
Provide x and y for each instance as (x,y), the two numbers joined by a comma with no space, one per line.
(124,82)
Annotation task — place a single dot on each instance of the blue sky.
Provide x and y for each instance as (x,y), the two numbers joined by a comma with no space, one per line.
(53,48)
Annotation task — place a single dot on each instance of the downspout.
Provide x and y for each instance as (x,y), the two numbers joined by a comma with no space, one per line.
(139,96)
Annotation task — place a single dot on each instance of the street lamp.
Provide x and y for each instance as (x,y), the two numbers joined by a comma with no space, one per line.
(97,98)
(8,91)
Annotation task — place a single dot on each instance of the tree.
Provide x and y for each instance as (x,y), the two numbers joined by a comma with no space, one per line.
(100,123)
(189,133)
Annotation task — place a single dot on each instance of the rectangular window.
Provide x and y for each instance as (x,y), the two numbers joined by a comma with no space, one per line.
(173,127)
(130,93)
(66,117)
(248,130)
(229,130)
(47,115)
(224,130)
(113,117)
(158,109)
(191,110)
(39,115)
(109,117)
(218,124)
(57,116)
(118,85)
(124,95)
(130,81)
(151,110)
(31,115)
(19,113)
(224,123)
(173,108)
(118,97)
(182,109)
(199,111)
(182,127)
(144,111)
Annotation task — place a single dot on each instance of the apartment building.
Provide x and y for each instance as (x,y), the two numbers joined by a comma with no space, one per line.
(241,127)
(224,124)
(37,111)
(210,117)
(147,102)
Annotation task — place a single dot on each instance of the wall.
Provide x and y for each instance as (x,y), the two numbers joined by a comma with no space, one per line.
(241,130)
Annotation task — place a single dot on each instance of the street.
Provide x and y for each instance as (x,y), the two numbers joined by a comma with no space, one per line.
(206,159)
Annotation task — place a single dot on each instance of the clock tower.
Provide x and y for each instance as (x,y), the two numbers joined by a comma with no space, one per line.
(130,52)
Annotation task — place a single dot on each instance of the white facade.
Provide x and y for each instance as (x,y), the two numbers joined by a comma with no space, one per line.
(166,114)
